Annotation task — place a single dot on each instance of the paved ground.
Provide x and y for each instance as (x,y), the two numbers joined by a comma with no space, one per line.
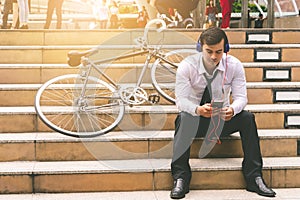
(282,194)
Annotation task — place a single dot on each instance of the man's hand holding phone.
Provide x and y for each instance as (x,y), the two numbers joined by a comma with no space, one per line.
(227,113)
(218,109)
(217,106)
(209,110)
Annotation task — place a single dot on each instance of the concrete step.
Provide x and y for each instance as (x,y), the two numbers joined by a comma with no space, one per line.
(268,116)
(57,54)
(37,20)
(273,92)
(33,73)
(133,145)
(65,24)
(94,37)
(126,175)
(40,73)
(258,93)
(232,194)
(272,71)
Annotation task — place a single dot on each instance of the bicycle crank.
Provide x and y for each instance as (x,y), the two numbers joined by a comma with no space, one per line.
(133,95)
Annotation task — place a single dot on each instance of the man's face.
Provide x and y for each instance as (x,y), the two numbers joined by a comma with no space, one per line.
(212,54)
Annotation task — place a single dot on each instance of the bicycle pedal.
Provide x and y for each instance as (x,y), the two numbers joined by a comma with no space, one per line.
(154,98)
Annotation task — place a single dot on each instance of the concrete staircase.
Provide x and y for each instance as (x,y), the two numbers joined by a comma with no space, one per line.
(34,159)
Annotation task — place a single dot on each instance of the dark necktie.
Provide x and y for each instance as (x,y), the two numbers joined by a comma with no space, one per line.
(213,132)
(206,97)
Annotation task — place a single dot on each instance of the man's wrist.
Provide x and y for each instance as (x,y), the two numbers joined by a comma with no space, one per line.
(196,110)
(232,111)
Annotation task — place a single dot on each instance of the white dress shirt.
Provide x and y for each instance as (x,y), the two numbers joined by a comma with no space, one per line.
(191,83)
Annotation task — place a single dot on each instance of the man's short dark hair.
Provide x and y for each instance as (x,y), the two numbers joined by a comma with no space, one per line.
(212,36)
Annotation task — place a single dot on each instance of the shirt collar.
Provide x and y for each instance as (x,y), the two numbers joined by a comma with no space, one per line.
(221,66)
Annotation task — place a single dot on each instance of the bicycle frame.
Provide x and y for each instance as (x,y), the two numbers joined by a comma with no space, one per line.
(151,53)
(88,105)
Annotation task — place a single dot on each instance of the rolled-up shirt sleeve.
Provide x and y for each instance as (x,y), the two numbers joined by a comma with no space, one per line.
(184,90)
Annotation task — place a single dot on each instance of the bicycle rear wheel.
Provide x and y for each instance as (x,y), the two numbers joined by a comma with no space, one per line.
(67,107)
(163,72)
(188,23)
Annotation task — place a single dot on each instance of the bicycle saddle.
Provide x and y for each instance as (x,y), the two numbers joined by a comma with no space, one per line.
(74,57)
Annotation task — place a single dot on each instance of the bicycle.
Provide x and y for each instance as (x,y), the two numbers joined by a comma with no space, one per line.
(83,105)
(173,23)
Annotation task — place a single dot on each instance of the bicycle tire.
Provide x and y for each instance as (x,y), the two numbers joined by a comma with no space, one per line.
(163,74)
(188,23)
(58,105)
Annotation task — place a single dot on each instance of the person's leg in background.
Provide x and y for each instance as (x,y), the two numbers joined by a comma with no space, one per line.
(226,6)
(23,13)
(16,21)
(6,9)
(50,10)
(58,11)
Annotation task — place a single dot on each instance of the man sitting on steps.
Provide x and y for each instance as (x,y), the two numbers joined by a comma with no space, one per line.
(201,80)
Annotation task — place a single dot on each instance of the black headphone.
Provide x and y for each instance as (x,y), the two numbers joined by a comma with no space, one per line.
(226,45)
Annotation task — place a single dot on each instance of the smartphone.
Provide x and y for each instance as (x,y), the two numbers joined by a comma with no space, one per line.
(217,104)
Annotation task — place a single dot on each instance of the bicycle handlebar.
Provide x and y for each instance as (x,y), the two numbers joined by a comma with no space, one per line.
(155,22)
(74,57)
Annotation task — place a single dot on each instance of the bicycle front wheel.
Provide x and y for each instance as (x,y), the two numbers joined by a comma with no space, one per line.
(163,72)
(69,107)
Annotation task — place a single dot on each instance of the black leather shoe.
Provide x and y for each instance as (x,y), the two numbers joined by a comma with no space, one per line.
(179,189)
(259,186)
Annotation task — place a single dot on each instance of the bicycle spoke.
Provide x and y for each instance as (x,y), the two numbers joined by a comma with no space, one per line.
(163,72)
(60,101)
(98,111)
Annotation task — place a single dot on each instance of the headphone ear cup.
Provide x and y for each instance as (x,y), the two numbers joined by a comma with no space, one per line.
(227,48)
(198,47)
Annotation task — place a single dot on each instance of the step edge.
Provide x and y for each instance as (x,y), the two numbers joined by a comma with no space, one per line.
(139,165)
(163,109)
(264,134)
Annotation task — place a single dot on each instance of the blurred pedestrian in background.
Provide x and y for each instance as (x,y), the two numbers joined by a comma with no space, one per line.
(259,22)
(7,8)
(226,6)
(57,5)
(114,19)
(211,15)
(103,14)
(23,13)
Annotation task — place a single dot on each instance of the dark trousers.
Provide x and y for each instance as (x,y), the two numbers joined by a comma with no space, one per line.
(57,5)
(188,127)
